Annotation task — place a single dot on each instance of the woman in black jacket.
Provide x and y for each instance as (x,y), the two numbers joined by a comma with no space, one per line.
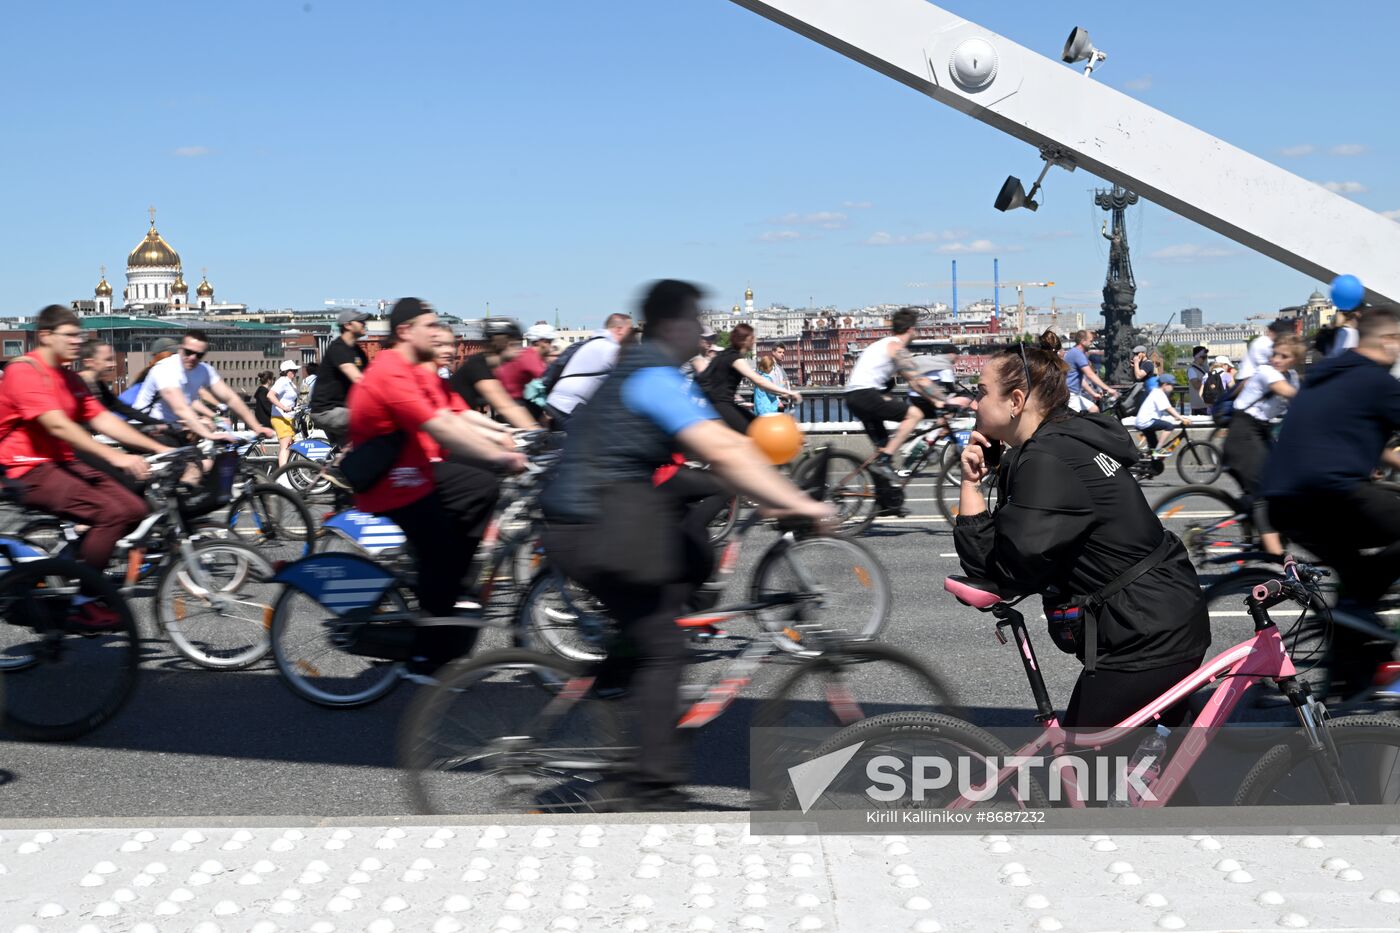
(721,378)
(1072,521)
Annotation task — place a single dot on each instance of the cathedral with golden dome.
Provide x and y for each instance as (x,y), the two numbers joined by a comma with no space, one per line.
(155,283)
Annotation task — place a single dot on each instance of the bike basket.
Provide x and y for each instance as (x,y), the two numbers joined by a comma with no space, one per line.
(217,489)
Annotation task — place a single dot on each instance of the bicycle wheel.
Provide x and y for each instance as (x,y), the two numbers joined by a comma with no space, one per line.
(304,476)
(905,735)
(723,523)
(275,521)
(854,590)
(560,617)
(56,684)
(44,533)
(1291,774)
(846,484)
(949,504)
(497,734)
(1213,525)
(217,610)
(1199,463)
(309,648)
(950,463)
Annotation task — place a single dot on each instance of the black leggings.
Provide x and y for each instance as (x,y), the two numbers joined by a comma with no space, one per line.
(1246,451)
(1106,698)
(734,416)
(650,657)
(443,529)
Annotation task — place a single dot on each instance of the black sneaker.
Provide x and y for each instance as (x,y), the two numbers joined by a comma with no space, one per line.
(898,511)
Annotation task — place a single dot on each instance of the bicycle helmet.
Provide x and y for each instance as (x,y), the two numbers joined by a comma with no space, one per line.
(501,327)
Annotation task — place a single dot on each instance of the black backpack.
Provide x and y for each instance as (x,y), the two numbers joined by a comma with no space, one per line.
(555,372)
(1324,340)
(1213,388)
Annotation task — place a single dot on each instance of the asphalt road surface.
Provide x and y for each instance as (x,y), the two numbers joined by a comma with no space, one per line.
(203,743)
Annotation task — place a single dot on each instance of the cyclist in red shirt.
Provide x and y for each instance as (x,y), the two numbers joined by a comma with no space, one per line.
(442,507)
(46,412)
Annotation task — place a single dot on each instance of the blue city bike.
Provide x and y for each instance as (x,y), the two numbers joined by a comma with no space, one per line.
(60,676)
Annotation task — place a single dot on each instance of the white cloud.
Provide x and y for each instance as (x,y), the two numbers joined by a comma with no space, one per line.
(976,247)
(1344,187)
(1190,252)
(882,238)
(779,236)
(1391,215)
(191,152)
(1349,149)
(1139,84)
(857,205)
(1294,152)
(827,220)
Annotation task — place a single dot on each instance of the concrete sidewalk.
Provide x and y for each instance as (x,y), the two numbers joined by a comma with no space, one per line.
(684,874)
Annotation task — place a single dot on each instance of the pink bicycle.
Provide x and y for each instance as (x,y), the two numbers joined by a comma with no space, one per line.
(1350,760)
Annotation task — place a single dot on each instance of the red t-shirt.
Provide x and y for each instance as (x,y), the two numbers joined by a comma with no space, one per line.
(527,365)
(394,396)
(28,390)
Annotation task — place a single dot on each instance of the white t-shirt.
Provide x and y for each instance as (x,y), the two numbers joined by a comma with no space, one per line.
(286,391)
(1260,350)
(1153,408)
(1257,401)
(875,367)
(170,373)
(574,388)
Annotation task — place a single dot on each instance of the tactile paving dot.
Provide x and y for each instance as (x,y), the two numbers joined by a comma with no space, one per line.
(714,875)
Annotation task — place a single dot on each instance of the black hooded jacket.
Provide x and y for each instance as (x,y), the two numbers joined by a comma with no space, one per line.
(1336,428)
(1071,520)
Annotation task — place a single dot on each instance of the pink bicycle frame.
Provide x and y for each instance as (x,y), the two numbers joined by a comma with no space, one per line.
(1241,666)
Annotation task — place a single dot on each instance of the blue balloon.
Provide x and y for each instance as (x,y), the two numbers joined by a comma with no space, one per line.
(1347,292)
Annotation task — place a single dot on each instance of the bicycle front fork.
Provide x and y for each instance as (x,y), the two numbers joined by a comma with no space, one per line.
(1314,718)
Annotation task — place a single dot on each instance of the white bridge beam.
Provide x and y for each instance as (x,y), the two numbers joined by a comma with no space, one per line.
(1083,123)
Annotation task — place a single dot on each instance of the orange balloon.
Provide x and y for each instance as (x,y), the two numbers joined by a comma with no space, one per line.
(777,435)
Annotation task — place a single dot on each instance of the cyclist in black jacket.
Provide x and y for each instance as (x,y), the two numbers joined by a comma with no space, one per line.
(1070,522)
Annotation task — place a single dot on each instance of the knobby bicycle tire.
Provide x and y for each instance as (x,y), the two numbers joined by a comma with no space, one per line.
(901,730)
(36,592)
(1288,774)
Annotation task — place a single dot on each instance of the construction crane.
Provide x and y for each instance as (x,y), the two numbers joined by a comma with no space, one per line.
(379,304)
(1020,294)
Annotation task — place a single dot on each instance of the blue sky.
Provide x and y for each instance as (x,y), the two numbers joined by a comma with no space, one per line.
(549,154)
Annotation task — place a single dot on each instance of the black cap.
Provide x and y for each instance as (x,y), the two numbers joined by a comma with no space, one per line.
(1282,326)
(405,310)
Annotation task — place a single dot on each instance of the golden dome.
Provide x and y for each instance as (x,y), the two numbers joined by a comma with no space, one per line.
(153,251)
(103,290)
(748,294)
(204,289)
(179,288)
(736,309)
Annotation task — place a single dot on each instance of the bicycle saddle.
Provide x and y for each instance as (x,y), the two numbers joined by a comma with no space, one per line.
(979,594)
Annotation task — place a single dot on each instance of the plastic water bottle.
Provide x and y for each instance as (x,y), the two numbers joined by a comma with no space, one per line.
(1155,746)
(917,450)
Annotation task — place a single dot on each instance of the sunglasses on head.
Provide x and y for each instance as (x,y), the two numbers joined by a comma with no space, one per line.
(196,354)
(1026,366)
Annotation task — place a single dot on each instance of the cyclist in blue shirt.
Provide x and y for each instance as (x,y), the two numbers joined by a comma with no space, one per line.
(628,542)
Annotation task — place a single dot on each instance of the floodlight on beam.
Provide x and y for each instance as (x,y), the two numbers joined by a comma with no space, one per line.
(1013,194)
(1078,48)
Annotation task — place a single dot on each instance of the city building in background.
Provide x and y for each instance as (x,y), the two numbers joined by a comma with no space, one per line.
(1192,317)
